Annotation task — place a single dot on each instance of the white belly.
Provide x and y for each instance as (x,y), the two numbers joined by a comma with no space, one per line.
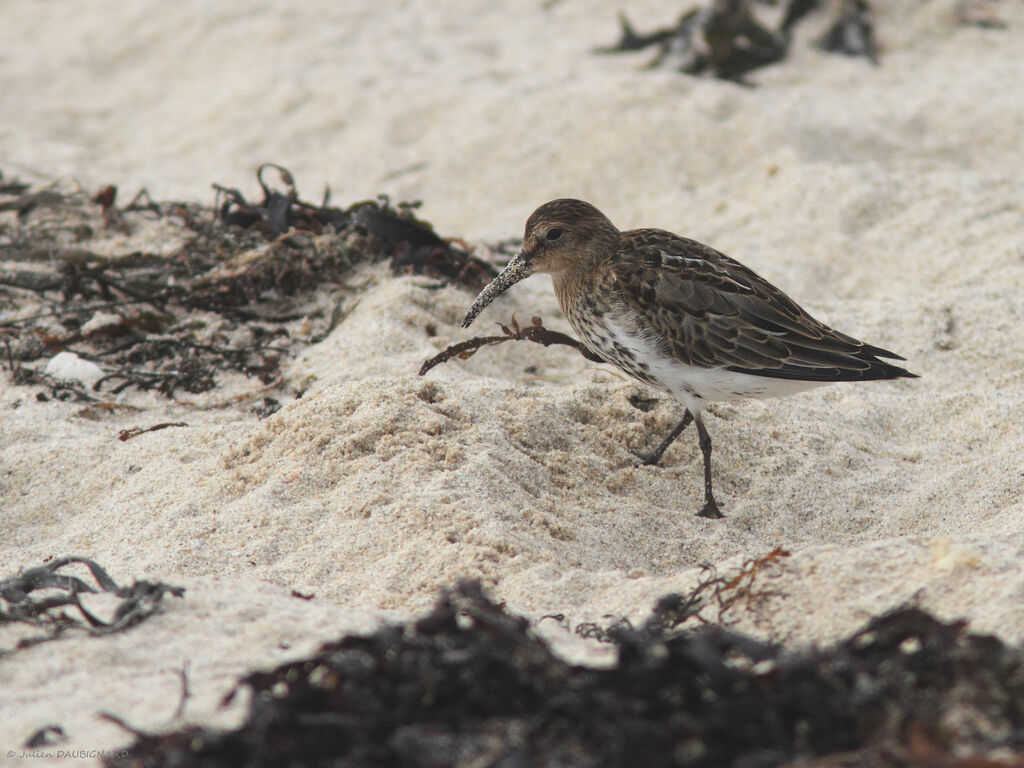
(692,385)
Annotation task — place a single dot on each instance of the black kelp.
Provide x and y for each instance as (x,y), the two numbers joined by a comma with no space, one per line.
(471,685)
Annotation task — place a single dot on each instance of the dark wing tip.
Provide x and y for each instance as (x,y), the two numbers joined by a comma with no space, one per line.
(880,369)
(871,369)
(905,374)
(869,350)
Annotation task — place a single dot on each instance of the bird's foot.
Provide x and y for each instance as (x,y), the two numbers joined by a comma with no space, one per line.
(648,458)
(710,510)
(654,456)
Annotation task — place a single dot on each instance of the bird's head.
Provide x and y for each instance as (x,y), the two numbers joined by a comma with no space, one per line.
(560,235)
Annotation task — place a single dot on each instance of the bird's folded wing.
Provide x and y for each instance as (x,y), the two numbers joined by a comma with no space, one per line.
(709,310)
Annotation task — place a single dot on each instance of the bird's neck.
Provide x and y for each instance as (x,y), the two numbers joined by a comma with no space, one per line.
(571,283)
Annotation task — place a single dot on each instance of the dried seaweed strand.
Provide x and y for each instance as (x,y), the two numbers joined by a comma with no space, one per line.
(535,332)
(128,434)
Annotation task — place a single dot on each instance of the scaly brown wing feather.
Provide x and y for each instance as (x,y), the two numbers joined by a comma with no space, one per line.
(711,311)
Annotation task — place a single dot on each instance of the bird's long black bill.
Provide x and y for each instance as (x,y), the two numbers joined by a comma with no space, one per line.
(514,271)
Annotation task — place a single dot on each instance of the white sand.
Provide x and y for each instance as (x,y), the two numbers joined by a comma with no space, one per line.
(889,201)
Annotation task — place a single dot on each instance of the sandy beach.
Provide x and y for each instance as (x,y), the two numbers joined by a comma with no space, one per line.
(888,200)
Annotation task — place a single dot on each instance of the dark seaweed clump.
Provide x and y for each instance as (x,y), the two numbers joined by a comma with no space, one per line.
(46,601)
(728,39)
(471,685)
(250,283)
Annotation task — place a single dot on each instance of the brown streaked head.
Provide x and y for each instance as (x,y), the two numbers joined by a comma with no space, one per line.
(560,235)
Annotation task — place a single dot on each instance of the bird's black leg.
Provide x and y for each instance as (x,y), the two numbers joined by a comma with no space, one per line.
(654,456)
(710,508)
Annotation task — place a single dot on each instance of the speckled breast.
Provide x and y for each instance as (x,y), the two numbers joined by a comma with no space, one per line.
(605,337)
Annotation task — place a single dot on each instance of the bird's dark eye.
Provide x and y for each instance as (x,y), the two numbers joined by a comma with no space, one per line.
(553,234)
